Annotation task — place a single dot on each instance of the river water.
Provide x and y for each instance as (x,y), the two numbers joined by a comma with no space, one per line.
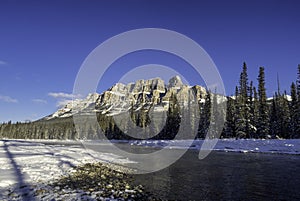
(227,176)
(219,176)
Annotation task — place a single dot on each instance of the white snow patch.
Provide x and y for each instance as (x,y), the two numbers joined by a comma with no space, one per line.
(160,91)
(116,93)
(159,109)
(202,100)
(37,162)
(288,146)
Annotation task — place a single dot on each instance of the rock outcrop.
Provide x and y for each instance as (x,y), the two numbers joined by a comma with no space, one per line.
(139,95)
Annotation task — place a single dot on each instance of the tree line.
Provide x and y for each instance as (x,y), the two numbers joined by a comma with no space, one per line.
(250,114)
(86,128)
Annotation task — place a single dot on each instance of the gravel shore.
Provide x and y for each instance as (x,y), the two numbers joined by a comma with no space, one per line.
(97,181)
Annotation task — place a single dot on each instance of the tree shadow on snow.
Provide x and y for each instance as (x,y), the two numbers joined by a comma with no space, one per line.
(23,189)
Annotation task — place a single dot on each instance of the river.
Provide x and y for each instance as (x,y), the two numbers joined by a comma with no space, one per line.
(220,176)
(227,176)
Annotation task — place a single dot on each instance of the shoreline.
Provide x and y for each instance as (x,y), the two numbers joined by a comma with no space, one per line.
(264,146)
(97,181)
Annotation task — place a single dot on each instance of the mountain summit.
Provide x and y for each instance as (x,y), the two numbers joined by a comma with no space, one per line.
(175,82)
(141,95)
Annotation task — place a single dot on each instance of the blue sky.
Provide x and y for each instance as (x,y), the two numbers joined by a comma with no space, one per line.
(43,44)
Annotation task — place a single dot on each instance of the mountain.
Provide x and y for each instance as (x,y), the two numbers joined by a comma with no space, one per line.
(150,109)
(146,109)
(142,95)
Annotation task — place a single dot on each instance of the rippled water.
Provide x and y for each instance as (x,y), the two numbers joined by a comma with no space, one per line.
(227,176)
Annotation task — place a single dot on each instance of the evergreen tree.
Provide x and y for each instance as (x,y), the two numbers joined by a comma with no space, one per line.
(205,115)
(255,112)
(263,118)
(293,108)
(297,109)
(252,110)
(244,83)
(251,98)
(285,120)
(298,81)
(230,124)
(280,116)
(242,105)
(274,129)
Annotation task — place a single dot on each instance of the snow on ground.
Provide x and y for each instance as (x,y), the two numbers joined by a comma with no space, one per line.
(288,146)
(33,162)
(28,161)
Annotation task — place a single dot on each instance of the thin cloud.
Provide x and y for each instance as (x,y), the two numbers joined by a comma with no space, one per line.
(62,103)
(40,101)
(63,95)
(8,99)
(63,98)
(3,62)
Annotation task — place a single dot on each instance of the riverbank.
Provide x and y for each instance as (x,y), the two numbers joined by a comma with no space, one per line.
(234,170)
(97,181)
(28,166)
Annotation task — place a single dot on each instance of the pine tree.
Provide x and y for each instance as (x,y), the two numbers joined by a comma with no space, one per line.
(298,81)
(255,113)
(275,113)
(284,113)
(229,130)
(293,94)
(205,115)
(242,105)
(293,109)
(297,109)
(274,129)
(263,118)
(251,98)
(285,116)
(244,83)
(280,119)
(252,120)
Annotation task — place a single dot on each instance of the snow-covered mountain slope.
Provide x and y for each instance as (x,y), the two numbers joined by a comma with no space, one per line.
(143,94)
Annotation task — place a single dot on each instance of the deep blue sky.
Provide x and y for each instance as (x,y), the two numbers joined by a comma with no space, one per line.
(43,43)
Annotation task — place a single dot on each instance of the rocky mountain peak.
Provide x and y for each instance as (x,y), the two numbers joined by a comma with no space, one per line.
(143,94)
(175,82)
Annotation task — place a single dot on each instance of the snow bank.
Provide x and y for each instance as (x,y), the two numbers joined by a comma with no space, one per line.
(289,146)
(34,162)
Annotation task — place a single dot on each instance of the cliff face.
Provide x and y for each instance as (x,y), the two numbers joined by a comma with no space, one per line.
(141,95)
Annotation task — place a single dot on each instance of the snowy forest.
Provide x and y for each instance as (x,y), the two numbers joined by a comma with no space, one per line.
(249,114)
